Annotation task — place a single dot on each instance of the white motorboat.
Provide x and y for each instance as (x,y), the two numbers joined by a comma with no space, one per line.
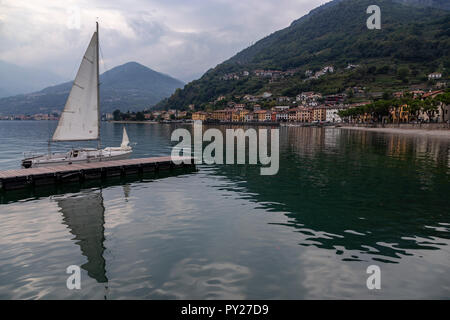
(80,119)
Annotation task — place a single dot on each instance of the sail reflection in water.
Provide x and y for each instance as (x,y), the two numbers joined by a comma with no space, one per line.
(84,216)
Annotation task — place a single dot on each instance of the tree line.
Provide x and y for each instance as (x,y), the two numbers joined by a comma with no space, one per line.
(384,109)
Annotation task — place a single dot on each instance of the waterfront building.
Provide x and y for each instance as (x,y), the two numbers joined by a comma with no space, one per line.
(332,115)
(304,114)
(399,114)
(319,114)
(181,114)
(242,114)
(260,115)
(293,115)
(222,115)
(281,115)
(200,115)
(249,117)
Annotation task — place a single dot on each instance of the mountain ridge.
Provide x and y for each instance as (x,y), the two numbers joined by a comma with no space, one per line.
(130,86)
(335,34)
(22,80)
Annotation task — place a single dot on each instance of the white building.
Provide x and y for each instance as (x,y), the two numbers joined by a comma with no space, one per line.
(332,115)
(266,95)
(434,75)
(282,116)
(281,108)
(249,117)
(329,69)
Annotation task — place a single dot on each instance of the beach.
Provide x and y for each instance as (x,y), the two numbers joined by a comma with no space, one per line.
(441,133)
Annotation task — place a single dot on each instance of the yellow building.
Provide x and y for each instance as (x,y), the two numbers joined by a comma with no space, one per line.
(400,114)
(219,115)
(304,114)
(260,115)
(242,114)
(293,115)
(235,116)
(319,114)
(200,115)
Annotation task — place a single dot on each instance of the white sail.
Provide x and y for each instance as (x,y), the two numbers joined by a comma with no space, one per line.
(80,118)
(125,140)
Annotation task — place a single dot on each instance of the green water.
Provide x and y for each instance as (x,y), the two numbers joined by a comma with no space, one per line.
(342,200)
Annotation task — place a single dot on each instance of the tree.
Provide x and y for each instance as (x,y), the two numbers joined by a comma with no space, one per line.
(403,74)
(117,115)
(441,101)
(387,95)
(381,108)
(140,116)
(414,108)
(429,108)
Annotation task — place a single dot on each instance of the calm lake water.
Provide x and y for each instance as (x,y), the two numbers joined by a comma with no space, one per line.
(343,200)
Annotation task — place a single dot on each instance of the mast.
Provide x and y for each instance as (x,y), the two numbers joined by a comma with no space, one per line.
(98,89)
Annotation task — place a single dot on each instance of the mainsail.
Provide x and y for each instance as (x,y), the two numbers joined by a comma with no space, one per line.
(80,118)
(125,140)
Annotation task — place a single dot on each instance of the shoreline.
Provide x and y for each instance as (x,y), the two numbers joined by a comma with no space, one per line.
(441,133)
(138,122)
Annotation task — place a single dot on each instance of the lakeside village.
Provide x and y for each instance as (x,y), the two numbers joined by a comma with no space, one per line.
(417,106)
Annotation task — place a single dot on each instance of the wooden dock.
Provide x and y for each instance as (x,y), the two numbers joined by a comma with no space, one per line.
(22,178)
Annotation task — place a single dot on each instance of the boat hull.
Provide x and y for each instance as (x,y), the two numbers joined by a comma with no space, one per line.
(68,159)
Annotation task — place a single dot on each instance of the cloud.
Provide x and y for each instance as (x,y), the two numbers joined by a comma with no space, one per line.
(178,37)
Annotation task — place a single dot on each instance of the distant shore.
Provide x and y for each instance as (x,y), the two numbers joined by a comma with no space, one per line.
(137,122)
(429,131)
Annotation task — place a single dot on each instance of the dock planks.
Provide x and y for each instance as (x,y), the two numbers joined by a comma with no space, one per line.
(20,178)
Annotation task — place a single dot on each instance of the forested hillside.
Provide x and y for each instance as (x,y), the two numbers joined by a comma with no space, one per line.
(413,42)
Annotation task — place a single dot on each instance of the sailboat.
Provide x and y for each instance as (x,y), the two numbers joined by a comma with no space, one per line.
(80,119)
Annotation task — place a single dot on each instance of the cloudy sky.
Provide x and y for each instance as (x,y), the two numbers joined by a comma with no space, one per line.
(182,38)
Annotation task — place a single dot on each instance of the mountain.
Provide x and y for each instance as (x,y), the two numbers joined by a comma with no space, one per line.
(18,80)
(440,4)
(412,42)
(130,86)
